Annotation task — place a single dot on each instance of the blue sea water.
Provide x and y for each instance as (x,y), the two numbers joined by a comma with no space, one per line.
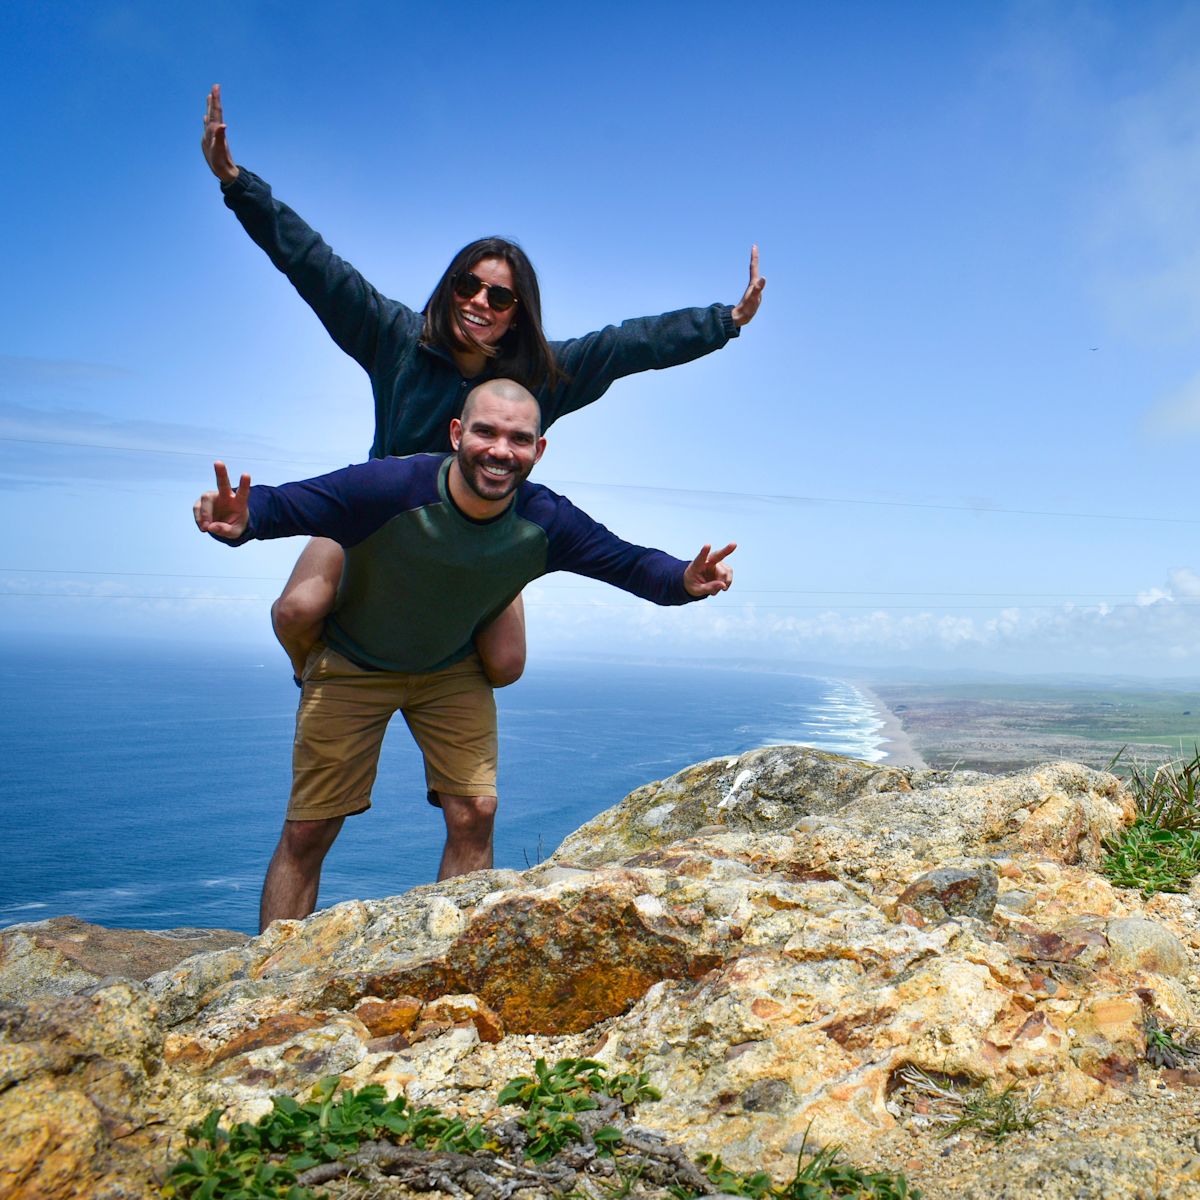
(144,788)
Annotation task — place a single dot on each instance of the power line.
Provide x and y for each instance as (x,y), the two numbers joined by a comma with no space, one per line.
(977,509)
(293,462)
(567,587)
(769,497)
(568,604)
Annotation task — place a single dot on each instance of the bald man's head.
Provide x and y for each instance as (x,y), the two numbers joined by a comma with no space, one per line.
(497,441)
(502,389)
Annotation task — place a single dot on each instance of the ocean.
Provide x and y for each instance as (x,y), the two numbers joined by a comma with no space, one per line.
(145,788)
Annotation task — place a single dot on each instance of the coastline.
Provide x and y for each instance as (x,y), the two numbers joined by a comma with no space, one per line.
(899,749)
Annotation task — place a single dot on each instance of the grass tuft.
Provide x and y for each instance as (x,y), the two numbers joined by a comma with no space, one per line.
(825,1176)
(974,1108)
(1160,851)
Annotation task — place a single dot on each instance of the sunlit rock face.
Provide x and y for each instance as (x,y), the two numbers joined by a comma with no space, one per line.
(773,937)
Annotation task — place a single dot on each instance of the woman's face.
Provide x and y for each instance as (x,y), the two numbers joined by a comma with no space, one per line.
(476,314)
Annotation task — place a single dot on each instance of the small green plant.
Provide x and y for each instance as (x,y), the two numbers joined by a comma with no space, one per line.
(332,1134)
(974,1107)
(1151,859)
(261,1161)
(1167,1047)
(1160,851)
(825,1176)
(553,1094)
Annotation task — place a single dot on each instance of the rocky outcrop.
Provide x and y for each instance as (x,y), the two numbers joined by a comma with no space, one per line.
(62,955)
(774,938)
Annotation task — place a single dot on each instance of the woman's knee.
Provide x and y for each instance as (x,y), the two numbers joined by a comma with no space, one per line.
(504,664)
(309,594)
(501,646)
(300,608)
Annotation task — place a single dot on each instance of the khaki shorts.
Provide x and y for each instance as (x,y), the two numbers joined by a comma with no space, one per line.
(344,711)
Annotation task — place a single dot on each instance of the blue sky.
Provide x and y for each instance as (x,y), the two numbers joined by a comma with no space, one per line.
(959,433)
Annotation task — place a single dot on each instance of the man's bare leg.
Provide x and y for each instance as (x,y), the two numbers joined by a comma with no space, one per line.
(290,888)
(469,822)
(298,616)
(501,645)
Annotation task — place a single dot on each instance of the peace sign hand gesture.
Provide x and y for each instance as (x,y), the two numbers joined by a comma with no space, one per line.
(707,574)
(224,513)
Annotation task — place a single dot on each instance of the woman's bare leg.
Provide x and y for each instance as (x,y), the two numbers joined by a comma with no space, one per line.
(298,616)
(501,645)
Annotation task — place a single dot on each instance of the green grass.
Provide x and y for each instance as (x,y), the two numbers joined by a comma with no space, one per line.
(1160,851)
(825,1176)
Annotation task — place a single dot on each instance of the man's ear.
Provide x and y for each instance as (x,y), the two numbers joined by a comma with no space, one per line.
(456,433)
(541,449)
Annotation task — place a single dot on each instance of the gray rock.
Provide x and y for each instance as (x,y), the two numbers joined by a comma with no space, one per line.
(1136,944)
(968,891)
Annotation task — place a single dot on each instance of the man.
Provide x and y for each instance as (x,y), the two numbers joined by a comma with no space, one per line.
(436,545)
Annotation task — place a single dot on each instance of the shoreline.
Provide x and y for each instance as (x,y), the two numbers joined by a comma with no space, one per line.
(898,748)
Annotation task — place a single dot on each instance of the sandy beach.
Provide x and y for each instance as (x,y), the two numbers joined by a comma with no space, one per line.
(898,746)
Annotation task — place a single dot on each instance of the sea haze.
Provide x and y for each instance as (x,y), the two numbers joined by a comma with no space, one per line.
(145,788)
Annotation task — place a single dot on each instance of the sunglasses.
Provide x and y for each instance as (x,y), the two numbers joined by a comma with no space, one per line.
(467,284)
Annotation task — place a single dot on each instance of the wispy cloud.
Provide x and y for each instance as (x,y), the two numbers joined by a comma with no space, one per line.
(1147,231)
(53,443)
(56,373)
(1176,413)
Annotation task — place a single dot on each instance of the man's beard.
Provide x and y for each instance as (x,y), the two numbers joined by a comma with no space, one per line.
(485,486)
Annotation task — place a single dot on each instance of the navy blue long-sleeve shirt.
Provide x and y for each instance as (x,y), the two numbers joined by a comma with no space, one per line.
(418,387)
(421,577)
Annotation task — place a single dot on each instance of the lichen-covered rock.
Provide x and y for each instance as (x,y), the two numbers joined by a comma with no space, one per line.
(1136,944)
(773,937)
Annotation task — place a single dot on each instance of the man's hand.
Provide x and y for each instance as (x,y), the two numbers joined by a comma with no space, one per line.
(746,307)
(225,512)
(213,143)
(706,574)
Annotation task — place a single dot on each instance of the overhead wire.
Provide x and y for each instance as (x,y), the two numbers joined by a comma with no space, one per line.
(768,497)
(936,599)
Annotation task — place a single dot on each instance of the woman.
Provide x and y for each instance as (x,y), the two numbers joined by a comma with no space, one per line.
(483,320)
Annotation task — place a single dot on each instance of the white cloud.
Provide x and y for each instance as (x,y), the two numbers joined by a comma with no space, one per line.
(1158,632)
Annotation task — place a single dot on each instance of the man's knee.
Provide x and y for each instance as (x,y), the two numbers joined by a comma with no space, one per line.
(307,840)
(468,816)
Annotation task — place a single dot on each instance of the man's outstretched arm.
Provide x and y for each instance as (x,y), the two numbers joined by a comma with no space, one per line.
(582,545)
(214,143)
(347,505)
(224,513)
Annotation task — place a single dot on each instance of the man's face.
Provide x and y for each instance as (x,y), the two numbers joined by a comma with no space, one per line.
(498,446)
(476,314)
